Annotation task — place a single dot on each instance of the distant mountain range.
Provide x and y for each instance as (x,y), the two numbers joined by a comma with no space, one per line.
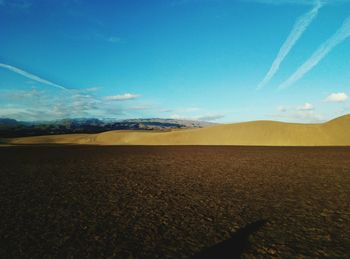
(13,128)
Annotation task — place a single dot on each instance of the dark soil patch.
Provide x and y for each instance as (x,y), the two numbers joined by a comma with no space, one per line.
(173,202)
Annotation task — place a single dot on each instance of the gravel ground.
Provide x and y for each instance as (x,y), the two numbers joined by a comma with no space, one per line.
(173,202)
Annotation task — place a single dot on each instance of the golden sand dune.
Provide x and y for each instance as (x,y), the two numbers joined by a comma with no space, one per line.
(259,133)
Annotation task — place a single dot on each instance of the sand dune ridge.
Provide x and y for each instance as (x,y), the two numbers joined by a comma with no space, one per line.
(257,133)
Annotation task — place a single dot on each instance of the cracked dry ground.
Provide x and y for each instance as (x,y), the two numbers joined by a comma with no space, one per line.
(173,202)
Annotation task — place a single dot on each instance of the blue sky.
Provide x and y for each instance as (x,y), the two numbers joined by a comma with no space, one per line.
(218,60)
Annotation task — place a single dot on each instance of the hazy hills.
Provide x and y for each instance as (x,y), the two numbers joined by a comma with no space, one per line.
(12,128)
(259,133)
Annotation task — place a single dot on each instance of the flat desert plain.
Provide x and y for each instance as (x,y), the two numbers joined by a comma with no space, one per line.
(174,202)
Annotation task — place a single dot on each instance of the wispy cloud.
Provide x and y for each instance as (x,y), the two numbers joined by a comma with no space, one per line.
(33,105)
(209,117)
(304,113)
(122,97)
(213,117)
(166,110)
(20,94)
(16,113)
(306,107)
(78,103)
(342,34)
(337,97)
(31,76)
(92,89)
(299,27)
(282,108)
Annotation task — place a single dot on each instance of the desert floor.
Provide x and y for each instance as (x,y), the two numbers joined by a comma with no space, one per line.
(174,202)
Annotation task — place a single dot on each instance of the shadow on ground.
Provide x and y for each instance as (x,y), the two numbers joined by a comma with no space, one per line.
(233,247)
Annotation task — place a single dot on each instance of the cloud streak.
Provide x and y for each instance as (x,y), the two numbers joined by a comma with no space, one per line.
(122,97)
(31,76)
(341,34)
(299,28)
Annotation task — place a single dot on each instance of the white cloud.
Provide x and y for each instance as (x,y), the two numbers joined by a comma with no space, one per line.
(122,97)
(299,28)
(306,107)
(337,97)
(341,34)
(31,76)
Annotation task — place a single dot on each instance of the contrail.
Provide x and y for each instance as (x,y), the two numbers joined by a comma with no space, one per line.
(299,27)
(341,34)
(31,76)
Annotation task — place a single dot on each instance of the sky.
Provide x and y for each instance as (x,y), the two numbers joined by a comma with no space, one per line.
(216,60)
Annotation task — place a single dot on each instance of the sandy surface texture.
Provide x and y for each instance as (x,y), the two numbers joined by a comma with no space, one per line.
(258,133)
(174,202)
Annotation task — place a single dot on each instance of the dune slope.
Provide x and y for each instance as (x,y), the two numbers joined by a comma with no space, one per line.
(257,133)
